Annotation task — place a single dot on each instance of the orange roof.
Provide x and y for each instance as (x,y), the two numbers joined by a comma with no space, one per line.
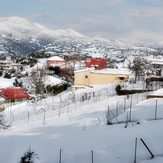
(13,93)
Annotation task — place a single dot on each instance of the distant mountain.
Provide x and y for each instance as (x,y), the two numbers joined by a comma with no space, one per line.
(23,29)
(20,37)
(23,37)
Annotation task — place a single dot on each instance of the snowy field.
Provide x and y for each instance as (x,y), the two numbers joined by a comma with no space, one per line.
(77,130)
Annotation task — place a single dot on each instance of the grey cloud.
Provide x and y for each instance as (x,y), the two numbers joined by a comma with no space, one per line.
(47,20)
(158,2)
(141,24)
(103,26)
(114,2)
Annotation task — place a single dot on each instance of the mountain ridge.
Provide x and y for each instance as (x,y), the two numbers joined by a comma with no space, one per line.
(23,37)
(17,25)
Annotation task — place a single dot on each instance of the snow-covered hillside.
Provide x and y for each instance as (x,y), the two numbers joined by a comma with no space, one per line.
(20,37)
(80,127)
(21,28)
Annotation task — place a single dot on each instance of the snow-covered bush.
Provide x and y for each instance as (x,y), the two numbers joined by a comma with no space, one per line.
(7,75)
(118,87)
(29,157)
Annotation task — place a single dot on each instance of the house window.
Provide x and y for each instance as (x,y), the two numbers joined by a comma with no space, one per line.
(6,101)
(19,100)
(12,100)
(96,66)
(121,78)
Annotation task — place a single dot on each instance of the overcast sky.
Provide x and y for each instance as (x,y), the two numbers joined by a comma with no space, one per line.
(136,20)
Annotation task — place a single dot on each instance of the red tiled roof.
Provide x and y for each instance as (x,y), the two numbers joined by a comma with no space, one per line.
(13,93)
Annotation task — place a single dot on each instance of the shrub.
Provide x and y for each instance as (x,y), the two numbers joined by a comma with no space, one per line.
(7,75)
(1,72)
(16,83)
(29,157)
(118,87)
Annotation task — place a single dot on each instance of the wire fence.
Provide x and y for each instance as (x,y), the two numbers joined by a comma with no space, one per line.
(127,152)
(57,106)
(146,111)
(120,153)
(124,103)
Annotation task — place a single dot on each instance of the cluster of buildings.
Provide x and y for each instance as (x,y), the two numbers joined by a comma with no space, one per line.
(95,72)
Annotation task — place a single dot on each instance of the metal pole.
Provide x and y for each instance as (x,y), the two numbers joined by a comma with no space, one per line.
(28,116)
(59,111)
(124,104)
(92,156)
(135,150)
(13,116)
(117,110)
(130,109)
(114,116)
(60,156)
(68,107)
(147,148)
(131,102)
(44,117)
(156,110)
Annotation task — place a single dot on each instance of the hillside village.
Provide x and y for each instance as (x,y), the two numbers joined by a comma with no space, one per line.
(41,74)
(69,88)
(66,98)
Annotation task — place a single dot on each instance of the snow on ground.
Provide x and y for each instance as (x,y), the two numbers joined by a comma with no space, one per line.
(158,92)
(78,128)
(6,82)
(138,86)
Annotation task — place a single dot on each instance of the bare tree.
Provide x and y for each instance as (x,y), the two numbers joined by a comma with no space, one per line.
(37,78)
(139,67)
(110,62)
(67,73)
(72,58)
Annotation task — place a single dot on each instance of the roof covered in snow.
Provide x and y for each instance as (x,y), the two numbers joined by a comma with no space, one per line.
(55,58)
(157,60)
(158,92)
(107,71)
(50,80)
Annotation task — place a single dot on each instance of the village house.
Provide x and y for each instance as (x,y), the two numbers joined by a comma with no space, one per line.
(5,64)
(11,96)
(156,65)
(98,64)
(89,77)
(55,61)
